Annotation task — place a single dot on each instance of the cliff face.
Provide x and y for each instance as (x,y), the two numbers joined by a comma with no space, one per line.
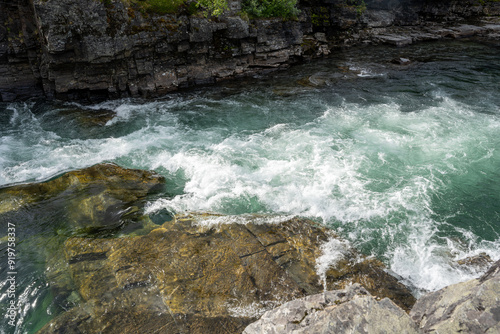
(92,49)
(20,52)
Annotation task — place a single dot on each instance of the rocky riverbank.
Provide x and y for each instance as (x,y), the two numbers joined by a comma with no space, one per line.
(91,50)
(114,270)
(469,307)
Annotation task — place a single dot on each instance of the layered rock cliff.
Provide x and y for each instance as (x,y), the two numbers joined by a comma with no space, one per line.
(93,49)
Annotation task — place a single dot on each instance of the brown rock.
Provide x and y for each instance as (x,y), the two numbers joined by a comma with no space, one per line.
(200,273)
(90,197)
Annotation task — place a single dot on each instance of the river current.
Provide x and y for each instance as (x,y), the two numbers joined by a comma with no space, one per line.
(403,161)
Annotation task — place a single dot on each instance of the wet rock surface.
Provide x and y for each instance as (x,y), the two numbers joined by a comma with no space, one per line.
(203,274)
(91,197)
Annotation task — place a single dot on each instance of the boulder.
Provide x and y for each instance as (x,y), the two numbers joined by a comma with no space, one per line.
(351,310)
(205,273)
(468,307)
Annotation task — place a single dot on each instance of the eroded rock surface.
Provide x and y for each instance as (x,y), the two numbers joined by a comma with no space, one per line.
(468,307)
(351,310)
(202,274)
(93,50)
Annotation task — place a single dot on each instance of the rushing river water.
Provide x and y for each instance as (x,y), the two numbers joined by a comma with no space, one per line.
(401,160)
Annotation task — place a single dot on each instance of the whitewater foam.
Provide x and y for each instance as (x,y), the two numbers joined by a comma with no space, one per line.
(396,176)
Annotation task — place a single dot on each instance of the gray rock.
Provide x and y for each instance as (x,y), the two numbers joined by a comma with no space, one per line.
(237,28)
(378,18)
(397,40)
(352,310)
(466,30)
(468,307)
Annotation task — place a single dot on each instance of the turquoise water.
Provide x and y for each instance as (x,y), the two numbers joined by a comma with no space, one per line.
(402,161)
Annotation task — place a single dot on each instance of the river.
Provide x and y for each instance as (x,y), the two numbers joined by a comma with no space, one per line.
(403,161)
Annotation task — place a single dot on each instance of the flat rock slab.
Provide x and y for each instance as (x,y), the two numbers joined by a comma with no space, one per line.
(467,30)
(395,39)
(205,273)
(351,310)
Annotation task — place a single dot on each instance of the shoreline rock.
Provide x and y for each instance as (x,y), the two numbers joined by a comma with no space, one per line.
(468,307)
(350,310)
(91,50)
(201,273)
(204,272)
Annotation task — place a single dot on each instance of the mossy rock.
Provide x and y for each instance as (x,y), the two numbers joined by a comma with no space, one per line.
(204,273)
(91,197)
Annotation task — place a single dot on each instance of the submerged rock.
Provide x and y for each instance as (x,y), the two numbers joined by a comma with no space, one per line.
(98,200)
(351,310)
(401,61)
(204,274)
(476,263)
(468,307)
(88,198)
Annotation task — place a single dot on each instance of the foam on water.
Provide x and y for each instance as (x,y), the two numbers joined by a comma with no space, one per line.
(333,251)
(372,172)
(407,170)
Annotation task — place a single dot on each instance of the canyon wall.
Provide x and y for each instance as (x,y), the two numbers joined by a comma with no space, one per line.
(92,49)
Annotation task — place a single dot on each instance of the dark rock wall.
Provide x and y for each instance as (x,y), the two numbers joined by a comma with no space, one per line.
(19,51)
(92,49)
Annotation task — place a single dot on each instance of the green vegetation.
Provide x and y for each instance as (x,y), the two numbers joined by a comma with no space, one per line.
(320,16)
(157,6)
(213,7)
(358,6)
(162,6)
(251,8)
(485,2)
(271,8)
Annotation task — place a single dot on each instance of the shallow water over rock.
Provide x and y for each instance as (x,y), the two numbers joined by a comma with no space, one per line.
(202,273)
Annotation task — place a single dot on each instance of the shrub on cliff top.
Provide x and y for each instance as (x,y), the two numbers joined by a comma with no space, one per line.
(253,8)
(213,7)
(271,8)
(164,6)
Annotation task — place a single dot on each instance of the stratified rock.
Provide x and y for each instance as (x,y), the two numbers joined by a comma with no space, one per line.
(468,307)
(397,40)
(201,274)
(90,197)
(93,50)
(351,310)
